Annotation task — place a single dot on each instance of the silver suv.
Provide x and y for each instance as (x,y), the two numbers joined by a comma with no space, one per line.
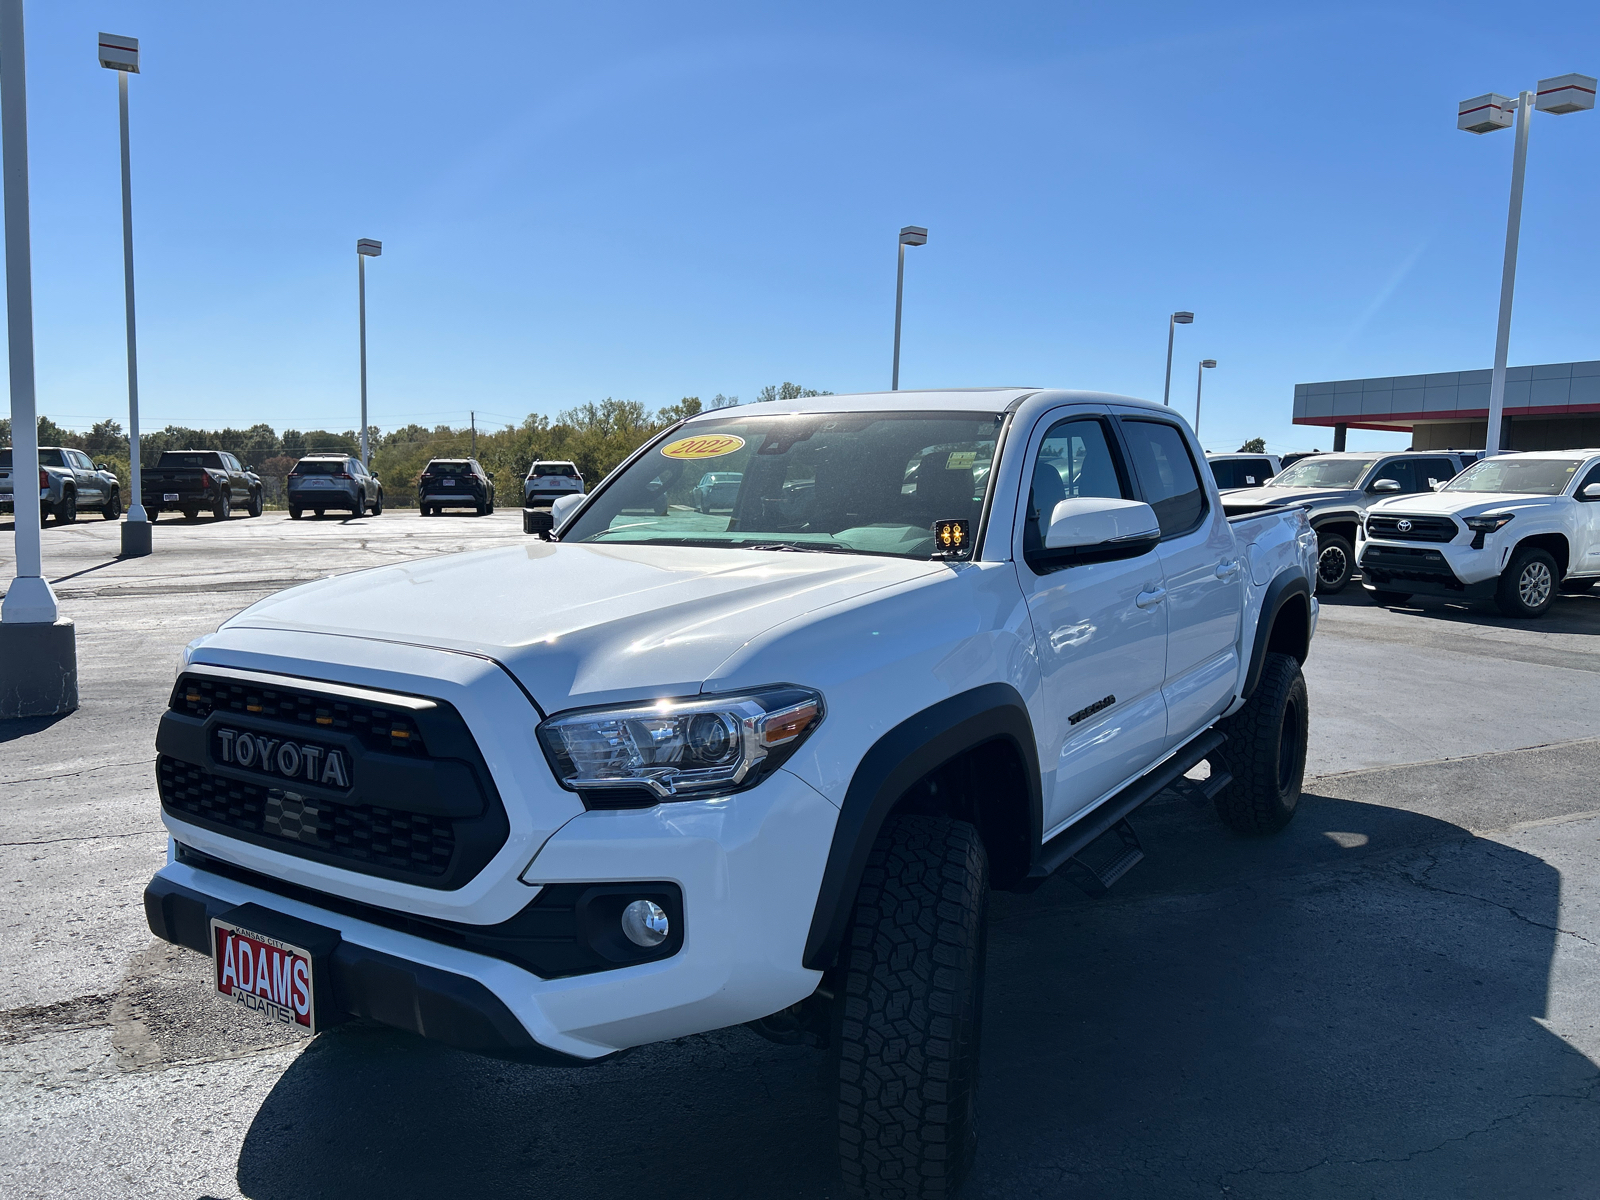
(68,481)
(323,481)
(1336,489)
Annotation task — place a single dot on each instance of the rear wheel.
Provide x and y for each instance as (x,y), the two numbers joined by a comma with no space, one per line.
(67,510)
(911,1011)
(223,508)
(295,514)
(1335,560)
(112,508)
(1528,586)
(1265,751)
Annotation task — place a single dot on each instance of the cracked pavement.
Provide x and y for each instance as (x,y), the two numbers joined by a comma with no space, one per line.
(1395,998)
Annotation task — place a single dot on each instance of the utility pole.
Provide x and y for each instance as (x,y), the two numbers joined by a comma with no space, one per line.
(474,435)
(365,248)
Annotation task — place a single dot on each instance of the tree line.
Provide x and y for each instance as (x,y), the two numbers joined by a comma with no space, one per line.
(596,437)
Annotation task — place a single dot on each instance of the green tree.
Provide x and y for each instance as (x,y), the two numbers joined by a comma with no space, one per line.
(1254,446)
(785,391)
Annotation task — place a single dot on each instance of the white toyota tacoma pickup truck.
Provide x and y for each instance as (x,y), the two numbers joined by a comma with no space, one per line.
(664,771)
(1516,528)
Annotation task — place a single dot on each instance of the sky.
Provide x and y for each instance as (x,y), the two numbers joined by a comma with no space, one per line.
(649,201)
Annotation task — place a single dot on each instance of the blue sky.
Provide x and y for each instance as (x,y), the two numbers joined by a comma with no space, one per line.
(648,201)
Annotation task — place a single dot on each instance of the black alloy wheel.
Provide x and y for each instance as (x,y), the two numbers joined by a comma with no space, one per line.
(112,508)
(1265,751)
(1335,561)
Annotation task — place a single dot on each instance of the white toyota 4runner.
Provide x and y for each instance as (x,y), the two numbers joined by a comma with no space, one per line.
(1515,528)
(666,771)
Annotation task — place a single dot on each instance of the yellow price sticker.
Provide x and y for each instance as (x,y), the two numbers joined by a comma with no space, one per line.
(960,460)
(705,445)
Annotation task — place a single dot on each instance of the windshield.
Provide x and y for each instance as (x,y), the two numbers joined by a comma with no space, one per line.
(47,458)
(1323,473)
(863,483)
(1519,476)
(179,458)
(560,470)
(457,469)
(313,466)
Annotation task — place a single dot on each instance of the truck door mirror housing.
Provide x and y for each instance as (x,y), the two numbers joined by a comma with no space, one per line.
(1591,491)
(1098,529)
(562,508)
(1386,485)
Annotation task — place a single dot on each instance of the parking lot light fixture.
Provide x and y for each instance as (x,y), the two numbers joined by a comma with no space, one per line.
(38,650)
(121,54)
(1199,378)
(1560,95)
(365,248)
(910,235)
(1177,318)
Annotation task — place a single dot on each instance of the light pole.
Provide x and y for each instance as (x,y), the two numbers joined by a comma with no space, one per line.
(1177,318)
(1485,114)
(911,235)
(121,54)
(1199,379)
(365,248)
(38,651)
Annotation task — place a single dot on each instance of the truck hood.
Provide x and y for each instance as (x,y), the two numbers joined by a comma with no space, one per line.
(1246,499)
(1461,504)
(584,624)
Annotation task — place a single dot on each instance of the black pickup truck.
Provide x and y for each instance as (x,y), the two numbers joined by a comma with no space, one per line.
(187,481)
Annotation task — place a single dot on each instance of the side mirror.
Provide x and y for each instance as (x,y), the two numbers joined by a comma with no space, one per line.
(1386,485)
(1099,529)
(562,508)
(1591,491)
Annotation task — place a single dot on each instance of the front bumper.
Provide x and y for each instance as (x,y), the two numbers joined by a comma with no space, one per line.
(748,867)
(1448,570)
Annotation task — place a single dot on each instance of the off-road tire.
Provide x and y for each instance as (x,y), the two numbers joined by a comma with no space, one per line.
(112,508)
(1336,560)
(1388,598)
(1527,586)
(67,510)
(910,1011)
(223,508)
(255,505)
(1265,751)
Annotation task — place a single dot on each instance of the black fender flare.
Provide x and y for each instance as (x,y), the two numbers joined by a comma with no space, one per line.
(1279,592)
(918,745)
(1338,517)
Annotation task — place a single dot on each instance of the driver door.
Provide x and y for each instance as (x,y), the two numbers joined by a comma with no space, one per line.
(1100,628)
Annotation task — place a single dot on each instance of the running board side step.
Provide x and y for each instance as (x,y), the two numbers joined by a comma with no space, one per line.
(1067,844)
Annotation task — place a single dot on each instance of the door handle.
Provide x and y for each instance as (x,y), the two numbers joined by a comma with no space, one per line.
(1151,599)
(1227,570)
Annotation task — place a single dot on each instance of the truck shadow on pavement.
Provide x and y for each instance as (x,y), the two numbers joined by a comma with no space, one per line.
(1348,1009)
(1570,613)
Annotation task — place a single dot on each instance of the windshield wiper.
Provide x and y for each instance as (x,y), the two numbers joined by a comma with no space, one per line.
(799,547)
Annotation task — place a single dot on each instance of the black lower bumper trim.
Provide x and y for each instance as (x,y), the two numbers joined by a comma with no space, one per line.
(420,999)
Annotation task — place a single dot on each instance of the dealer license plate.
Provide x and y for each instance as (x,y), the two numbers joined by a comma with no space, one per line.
(167,497)
(449,483)
(317,483)
(263,975)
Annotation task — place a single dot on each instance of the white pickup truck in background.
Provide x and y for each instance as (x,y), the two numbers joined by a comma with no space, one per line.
(665,770)
(1516,528)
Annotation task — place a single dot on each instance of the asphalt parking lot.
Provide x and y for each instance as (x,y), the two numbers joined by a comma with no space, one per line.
(1396,998)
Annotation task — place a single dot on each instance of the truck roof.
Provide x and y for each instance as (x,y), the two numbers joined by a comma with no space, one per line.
(989,399)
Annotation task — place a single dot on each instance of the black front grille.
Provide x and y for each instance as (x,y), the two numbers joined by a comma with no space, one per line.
(1418,529)
(412,799)
(1391,564)
(414,843)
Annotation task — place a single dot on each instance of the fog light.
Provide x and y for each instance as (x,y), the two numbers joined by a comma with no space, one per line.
(645,923)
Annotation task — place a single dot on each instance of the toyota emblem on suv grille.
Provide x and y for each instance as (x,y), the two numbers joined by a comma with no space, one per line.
(1403,525)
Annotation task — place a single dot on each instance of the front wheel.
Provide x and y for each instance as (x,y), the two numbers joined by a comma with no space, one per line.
(911,1011)
(1335,559)
(1528,586)
(1265,751)
(112,509)
(255,506)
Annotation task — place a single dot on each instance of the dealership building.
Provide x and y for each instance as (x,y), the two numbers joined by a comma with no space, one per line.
(1551,407)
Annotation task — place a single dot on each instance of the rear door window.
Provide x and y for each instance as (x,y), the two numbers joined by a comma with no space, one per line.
(1434,470)
(1166,473)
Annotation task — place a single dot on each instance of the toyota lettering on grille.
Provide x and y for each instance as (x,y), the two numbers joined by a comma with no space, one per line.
(1403,525)
(281,757)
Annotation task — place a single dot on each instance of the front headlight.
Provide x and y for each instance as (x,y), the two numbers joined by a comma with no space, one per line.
(681,749)
(1489,522)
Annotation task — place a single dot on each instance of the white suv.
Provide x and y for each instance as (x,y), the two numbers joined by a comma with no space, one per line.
(668,770)
(1515,528)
